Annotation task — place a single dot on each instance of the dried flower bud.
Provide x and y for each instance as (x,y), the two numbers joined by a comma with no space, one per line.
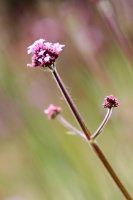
(44,53)
(110,101)
(52,111)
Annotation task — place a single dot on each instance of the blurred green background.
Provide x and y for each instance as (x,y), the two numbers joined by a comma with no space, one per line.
(38,160)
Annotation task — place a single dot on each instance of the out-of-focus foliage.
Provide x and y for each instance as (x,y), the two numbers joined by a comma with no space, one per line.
(37,159)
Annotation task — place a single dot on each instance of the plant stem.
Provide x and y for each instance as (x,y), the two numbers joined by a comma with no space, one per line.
(99,153)
(112,173)
(70,127)
(71,104)
(87,133)
(66,124)
(100,128)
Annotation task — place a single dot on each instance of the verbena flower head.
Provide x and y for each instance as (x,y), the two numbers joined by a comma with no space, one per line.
(52,111)
(110,101)
(44,53)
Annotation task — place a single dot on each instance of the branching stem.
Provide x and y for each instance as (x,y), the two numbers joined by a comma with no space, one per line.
(100,128)
(87,133)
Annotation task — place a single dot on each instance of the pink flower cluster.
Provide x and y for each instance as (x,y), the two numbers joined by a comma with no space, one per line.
(110,101)
(44,53)
(52,111)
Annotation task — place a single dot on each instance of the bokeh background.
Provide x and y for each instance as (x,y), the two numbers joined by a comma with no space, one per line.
(38,160)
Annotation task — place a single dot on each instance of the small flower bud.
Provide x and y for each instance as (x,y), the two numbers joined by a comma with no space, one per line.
(110,101)
(52,111)
(44,53)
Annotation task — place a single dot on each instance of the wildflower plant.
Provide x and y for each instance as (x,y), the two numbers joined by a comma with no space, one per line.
(45,55)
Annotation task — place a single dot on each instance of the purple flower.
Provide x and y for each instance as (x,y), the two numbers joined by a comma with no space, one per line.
(110,101)
(52,111)
(44,53)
